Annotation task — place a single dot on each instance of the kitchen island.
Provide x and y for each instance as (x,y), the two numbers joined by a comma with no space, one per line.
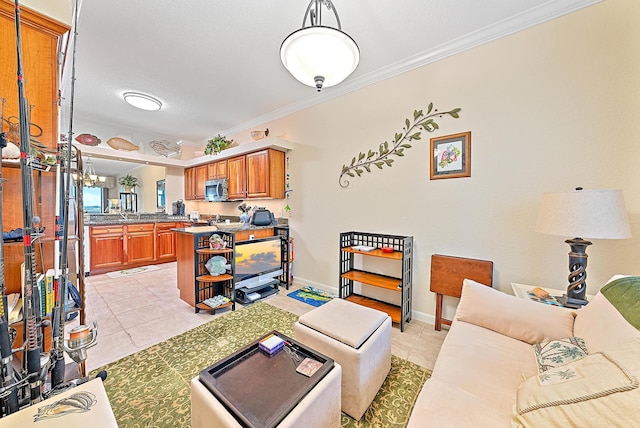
(193,252)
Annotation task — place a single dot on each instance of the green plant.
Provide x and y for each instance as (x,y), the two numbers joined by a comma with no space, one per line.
(217,144)
(128,181)
(409,132)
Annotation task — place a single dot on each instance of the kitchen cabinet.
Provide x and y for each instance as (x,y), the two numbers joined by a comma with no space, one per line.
(200,178)
(116,247)
(189,183)
(257,175)
(194,179)
(165,242)
(40,40)
(139,247)
(217,170)
(107,247)
(374,285)
(244,235)
(265,174)
(237,174)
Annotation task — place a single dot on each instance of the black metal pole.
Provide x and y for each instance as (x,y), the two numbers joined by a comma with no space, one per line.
(30,327)
(9,404)
(57,373)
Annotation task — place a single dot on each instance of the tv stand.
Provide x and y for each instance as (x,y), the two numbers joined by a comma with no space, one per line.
(246,295)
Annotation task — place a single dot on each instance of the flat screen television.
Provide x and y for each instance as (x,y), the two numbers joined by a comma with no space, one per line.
(257,262)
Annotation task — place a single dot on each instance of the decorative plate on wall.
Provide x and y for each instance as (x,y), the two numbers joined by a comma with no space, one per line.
(88,139)
(165,147)
(122,144)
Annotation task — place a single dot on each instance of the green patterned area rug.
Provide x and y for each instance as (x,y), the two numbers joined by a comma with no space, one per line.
(151,388)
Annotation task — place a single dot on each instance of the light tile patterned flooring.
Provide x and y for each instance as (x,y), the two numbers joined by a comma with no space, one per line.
(136,312)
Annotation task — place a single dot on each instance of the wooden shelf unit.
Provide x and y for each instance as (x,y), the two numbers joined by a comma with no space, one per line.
(206,285)
(403,253)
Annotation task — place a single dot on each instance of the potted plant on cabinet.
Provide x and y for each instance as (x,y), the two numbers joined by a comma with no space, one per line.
(217,144)
(128,181)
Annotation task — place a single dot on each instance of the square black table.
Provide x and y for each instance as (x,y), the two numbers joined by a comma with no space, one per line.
(260,390)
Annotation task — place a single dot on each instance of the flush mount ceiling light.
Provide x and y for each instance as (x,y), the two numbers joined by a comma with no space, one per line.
(318,55)
(142,101)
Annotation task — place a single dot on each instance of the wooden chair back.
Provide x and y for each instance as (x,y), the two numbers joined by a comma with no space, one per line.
(447,274)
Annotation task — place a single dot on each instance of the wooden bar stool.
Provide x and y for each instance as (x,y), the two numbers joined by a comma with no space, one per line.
(447,274)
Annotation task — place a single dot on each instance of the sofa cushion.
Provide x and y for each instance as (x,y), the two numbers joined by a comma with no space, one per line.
(601,325)
(444,405)
(485,367)
(601,389)
(556,353)
(520,319)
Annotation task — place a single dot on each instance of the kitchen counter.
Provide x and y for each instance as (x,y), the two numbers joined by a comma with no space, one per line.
(225,227)
(131,218)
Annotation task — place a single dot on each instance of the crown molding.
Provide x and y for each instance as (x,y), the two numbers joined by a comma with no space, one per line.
(549,10)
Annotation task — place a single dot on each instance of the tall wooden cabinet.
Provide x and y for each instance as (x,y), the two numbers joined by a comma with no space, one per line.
(40,45)
(398,250)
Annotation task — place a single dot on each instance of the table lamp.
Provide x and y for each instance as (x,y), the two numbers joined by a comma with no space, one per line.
(592,214)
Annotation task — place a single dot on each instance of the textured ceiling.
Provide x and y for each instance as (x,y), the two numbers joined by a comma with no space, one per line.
(216,67)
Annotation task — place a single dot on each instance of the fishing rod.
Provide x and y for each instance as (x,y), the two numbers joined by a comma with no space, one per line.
(32,352)
(8,404)
(59,313)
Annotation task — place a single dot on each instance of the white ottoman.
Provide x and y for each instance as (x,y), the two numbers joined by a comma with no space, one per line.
(356,337)
(320,408)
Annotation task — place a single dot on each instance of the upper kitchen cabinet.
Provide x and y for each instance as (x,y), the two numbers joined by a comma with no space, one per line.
(217,170)
(265,174)
(40,39)
(194,179)
(189,183)
(257,175)
(237,173)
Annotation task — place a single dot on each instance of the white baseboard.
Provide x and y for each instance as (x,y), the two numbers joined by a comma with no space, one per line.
(301,282)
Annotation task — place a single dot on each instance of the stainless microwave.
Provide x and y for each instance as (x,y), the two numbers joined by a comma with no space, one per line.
(216,190)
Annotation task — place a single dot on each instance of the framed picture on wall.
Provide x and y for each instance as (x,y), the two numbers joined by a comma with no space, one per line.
(451,156)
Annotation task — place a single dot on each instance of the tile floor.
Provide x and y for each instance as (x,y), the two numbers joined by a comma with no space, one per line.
(144,309)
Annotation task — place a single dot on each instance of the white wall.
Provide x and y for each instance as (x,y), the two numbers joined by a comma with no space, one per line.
(549,109)
(60,10)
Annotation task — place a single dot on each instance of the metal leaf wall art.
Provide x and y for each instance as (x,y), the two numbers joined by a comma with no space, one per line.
(411,131)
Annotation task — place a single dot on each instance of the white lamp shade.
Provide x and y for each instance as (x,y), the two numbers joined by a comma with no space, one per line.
(319,51)
(591,214)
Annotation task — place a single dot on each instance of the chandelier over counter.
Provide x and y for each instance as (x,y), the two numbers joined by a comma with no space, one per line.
(319,55)
(89,176)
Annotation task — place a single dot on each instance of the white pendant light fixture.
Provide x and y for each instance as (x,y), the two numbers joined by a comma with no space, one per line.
(317,55)
(142,101)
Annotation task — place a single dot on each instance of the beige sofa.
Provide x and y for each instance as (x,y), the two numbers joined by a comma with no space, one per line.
(479,376)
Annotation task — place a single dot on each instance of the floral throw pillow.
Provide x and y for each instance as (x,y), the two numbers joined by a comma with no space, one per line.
(556,353)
